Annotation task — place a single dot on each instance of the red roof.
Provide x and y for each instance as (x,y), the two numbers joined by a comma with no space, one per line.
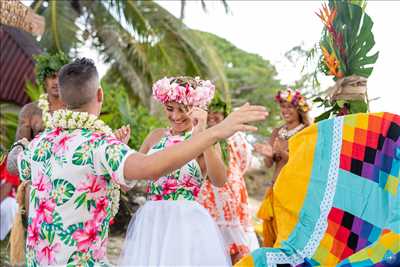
(16,64)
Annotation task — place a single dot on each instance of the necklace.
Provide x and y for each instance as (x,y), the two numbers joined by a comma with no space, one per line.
(43,104)
(68,119)
(285,134)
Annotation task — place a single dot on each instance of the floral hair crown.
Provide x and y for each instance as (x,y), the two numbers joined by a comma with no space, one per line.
(185,90)
(294,97)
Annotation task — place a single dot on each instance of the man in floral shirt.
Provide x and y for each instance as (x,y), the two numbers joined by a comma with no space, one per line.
(75,165)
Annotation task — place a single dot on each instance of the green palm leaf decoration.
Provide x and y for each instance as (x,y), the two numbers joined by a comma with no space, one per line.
(346,44)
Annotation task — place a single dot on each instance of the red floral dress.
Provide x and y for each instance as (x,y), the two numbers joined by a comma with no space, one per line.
(228,205)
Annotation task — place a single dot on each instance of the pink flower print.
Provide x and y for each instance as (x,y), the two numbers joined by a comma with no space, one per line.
(42,184)
(61,144)
(189,182)
(33,234)
(196,191)
(53,134)
(156,197)
(170,186)
(46,252)
(95,136)
(93,185)
(101,208)
(100,252)
(87,236)
(173,141)
(45,211)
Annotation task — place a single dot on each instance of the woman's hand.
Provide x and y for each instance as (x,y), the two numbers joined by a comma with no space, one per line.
(199,119)
(264,149)
(280,149)
(123,134)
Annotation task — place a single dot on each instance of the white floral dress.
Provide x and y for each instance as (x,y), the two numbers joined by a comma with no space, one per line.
(172,229)
(71,197)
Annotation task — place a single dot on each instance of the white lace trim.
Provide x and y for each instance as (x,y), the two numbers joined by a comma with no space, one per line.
(274,258)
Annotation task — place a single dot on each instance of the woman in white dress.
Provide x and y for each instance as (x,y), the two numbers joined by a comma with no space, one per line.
(172,229)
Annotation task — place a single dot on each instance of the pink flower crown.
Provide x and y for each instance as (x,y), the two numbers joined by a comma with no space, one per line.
(185,90)
(293,97)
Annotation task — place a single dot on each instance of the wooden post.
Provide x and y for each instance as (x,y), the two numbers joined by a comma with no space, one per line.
(16,14)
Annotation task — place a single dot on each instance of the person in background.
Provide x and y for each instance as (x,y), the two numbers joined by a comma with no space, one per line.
(8,204)
(295,113)
(228,205)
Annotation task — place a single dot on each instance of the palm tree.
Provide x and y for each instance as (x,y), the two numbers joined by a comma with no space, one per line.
(140,39)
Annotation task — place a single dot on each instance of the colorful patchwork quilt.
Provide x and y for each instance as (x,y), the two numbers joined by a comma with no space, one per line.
(337,201)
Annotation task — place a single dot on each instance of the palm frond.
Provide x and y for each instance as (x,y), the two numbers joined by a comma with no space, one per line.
(61,30)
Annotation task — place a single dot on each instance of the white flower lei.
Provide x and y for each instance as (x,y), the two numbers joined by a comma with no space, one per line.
(43,104)
(68,119)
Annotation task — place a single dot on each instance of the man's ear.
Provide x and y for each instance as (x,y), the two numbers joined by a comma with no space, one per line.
(100,95)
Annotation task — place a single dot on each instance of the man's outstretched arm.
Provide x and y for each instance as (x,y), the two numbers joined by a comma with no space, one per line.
(140,166)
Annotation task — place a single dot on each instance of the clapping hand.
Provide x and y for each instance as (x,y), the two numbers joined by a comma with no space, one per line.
(238,120)
(123,134)
(199,119)
(264,149)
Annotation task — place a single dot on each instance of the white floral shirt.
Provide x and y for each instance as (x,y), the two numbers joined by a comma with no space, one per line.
(70,201)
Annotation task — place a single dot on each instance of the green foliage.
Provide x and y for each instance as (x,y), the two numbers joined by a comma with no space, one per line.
(218,104)
(348,37)
(8,125)
(33,90)
(250,77)
(141,40)
(358,40)
(61,25)
(339,107)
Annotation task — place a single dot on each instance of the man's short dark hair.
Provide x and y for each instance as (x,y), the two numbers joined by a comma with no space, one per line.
(78,82)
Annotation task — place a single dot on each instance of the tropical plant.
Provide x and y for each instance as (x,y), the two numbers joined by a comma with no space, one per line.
(140,39)
(250,77)
(346,43)
(8,125)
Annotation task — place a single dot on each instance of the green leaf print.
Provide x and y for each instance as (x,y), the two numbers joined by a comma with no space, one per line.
(25,170)
(47,232)
(80,200)
(34,198)
(90,203)
(83,155)
(114,155)
(62,191)
(47,168)
(160,144)
(66,235)
(83,259)
(57,221)
(193,170)
(86,133)
(31,257)
(42,151)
